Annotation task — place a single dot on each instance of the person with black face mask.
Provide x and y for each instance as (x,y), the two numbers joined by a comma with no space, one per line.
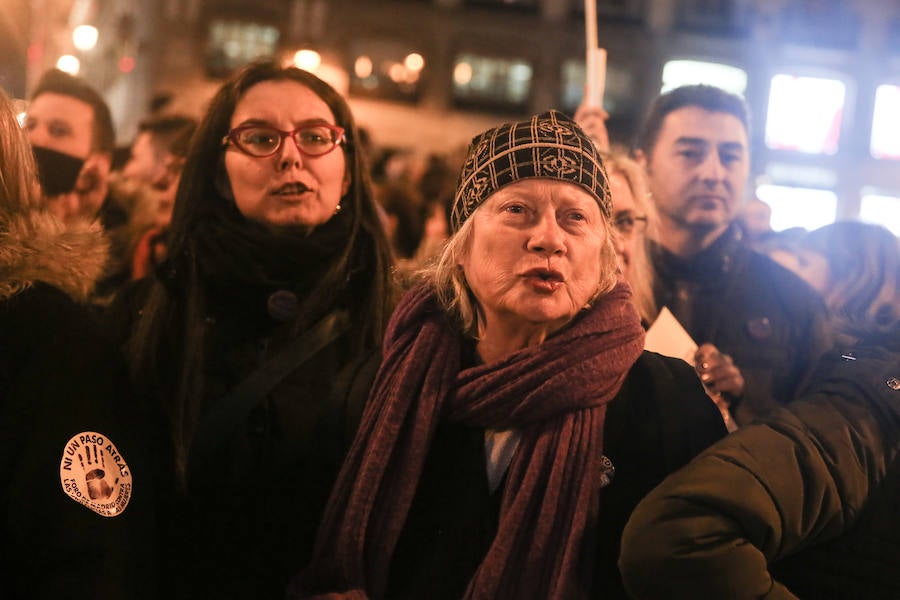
(71,132)
(70,127)
(57,171)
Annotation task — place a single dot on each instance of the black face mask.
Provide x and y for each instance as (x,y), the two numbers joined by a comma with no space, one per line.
(57,171)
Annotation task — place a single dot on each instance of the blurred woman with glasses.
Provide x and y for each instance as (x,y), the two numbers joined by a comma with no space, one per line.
(257,338)
(632,211)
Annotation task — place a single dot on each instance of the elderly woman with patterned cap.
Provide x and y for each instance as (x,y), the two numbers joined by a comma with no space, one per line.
(515,420)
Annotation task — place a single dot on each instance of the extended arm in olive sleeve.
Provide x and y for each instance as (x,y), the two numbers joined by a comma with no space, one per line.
(769,490)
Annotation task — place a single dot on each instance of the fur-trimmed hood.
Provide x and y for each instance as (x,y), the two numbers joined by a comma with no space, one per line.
(35,246)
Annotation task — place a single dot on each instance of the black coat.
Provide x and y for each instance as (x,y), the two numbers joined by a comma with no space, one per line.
(657,422)
(247,520)
(771,322)
(61,382)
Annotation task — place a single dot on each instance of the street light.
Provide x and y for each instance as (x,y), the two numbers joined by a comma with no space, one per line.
(414,61)
(308,60)
(85,37)
(68,64)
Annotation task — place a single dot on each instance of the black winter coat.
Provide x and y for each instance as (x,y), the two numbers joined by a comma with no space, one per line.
(247,520)
(766,318)
(75,490)
(658,421)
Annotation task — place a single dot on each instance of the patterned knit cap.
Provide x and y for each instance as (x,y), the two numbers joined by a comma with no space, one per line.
(546,146)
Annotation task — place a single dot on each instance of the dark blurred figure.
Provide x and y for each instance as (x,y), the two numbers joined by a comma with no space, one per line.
(437,186)
(77,496)
(405,214)
(150,178)
(160,141)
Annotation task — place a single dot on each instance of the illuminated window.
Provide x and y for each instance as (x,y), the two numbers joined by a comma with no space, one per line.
(805,114)
(493,82)
(798,207)
(677,73)
(885,141)
(386,69)
(233,44)
(881,210)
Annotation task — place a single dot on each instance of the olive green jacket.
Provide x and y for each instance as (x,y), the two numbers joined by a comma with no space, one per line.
(800,504)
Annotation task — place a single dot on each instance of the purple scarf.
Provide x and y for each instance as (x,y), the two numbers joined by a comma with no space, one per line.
(555,394)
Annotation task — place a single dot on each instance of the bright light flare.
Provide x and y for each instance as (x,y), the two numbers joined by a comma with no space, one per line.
(308,60)
(462,73)
(68,64)
(414,62)
(363,67)
(85,37)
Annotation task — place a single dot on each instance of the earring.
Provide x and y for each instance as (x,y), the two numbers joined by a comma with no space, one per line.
(337,208)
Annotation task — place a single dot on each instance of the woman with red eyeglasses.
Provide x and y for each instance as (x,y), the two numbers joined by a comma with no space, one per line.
(258,338)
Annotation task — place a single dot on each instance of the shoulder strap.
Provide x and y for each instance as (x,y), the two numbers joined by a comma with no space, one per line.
(232,410)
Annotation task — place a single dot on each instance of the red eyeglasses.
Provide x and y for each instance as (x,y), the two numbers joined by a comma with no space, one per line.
(261,141)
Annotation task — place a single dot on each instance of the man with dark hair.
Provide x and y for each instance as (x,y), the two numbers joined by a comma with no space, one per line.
(759,327)
(155,162)
(160,141)
(71,130)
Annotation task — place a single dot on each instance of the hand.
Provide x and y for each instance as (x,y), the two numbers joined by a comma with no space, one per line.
(84,202)
(592,119)
(92,186)
(718,372)
(93,466)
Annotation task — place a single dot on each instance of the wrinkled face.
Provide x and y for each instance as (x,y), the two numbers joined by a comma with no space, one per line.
(60,123)
(534,256)
(699,168)
(287,188)
(623,206)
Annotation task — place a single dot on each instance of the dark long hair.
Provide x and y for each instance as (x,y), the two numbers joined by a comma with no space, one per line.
(176,302)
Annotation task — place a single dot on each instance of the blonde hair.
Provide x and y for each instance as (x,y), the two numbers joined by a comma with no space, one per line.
(34,245)
(18,177)
(448,280)
(641,274)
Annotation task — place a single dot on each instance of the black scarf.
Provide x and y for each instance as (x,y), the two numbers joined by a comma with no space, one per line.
(241,264)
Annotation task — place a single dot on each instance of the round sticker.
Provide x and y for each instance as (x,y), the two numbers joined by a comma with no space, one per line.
(94,473)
